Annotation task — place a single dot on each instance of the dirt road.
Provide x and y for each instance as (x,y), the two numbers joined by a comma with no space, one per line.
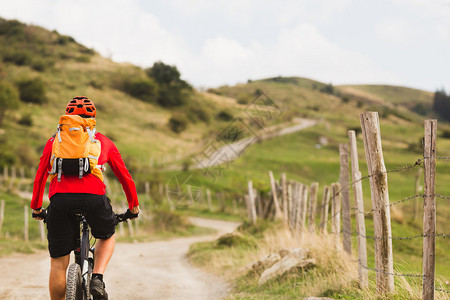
(155,270)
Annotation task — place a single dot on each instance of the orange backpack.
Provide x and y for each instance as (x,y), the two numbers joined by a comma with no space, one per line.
(75,150)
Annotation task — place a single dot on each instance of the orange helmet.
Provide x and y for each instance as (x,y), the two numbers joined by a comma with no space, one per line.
(81,106)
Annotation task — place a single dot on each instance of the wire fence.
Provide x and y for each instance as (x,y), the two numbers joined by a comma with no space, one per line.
(417,163)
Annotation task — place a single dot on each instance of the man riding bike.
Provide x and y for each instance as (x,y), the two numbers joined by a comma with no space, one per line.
(86,192)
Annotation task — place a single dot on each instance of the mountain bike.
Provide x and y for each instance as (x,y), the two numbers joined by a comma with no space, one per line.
(80,272)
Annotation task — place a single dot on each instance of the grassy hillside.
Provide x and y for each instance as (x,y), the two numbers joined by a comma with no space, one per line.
(66,69)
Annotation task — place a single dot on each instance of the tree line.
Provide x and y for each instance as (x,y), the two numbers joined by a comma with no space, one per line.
(441,104)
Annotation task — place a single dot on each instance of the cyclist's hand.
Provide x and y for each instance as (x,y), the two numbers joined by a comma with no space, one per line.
(39,214)
(135,211)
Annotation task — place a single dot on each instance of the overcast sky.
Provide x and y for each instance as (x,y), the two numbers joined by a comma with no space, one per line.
(217,42)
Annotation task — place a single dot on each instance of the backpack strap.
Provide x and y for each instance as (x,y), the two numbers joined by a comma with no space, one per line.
(91,134)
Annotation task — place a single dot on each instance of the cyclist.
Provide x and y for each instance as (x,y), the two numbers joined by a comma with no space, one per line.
(70,192)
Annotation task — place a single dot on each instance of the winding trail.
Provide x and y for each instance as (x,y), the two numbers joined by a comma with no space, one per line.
(154,270)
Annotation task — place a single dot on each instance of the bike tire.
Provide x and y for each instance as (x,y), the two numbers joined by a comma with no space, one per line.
(74,290)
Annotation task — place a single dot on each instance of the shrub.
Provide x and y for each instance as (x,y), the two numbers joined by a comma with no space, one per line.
(199,113)
(178,123)
(214,91)
(83,58)
(169,97)
(445,134)
(329,89)
(224,116)
(168,221)
(141,88)
(26,120)
(9,98)
(244,98)
(20,58)
(32,90)
(235,239)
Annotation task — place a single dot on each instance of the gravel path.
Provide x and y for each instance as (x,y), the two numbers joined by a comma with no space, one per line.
(154,270)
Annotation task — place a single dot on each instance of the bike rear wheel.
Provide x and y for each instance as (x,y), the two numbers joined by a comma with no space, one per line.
(74,290)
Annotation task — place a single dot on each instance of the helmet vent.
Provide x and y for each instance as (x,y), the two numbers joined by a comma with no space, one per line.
(89,109)
(70,110)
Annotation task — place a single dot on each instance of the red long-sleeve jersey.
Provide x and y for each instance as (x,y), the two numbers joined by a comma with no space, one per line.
(89,184)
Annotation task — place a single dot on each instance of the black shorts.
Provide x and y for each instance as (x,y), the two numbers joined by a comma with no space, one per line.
(61,223)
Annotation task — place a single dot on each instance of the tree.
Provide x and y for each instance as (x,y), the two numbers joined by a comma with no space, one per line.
(172,89)
(441,104)
(9,98)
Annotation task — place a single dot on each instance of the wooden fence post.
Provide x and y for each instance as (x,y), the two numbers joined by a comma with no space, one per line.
(312,206)
(278,214)
(2,214)
(429,209)
(208,199)
(304,208)
(345,192)
(336,209)
(295,192)
(251,203)
(324,210)
(191,198)
(359,212)
(417,191)
(25,230)
(380,202)
(42,231)
(298,207)
(290,203)
(284,198)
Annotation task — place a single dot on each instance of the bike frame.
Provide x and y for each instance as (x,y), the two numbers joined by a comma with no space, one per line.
(82,249)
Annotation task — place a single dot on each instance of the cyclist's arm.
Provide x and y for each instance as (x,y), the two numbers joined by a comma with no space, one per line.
(117,165)
(41,176)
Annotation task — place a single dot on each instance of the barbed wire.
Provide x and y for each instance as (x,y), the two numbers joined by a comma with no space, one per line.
(434,287)
(389,273)
(388,205)
(443,235)
(442,197)
(401,275)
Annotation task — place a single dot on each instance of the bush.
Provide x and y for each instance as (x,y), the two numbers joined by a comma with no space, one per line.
(9,98)
(224,116)
(168,221)
(170,97)
(235,239)
(244,98)
(83,59)
(20,58)
(198,113)
(178,123)
(26,120)
(32,91)
(141,88)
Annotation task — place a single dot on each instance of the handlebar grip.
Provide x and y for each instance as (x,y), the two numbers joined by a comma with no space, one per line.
(125,216)
(42,214)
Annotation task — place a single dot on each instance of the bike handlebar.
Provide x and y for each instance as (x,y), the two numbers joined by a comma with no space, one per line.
(125,216)
(119,217)
(42,214)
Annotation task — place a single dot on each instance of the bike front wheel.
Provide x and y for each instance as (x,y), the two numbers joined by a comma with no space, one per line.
(74,290)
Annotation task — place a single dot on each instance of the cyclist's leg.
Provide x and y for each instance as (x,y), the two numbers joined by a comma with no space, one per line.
(101,219)
(103,252)
(57,280)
